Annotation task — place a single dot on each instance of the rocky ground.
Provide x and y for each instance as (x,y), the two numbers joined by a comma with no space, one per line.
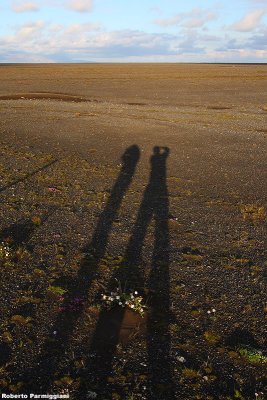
(150,178)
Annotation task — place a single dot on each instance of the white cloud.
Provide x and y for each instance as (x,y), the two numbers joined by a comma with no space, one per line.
(90,42)
(25,7)
(195,18)
(169,21)
(84,42)
(258,42)
(249,22)
(199,19)
(29,31)
(82,28)
(81,5)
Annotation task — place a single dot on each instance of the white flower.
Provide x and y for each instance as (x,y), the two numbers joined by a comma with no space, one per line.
(117,297)
(131,306)
(135,292)
(211,311)
(181,359)
(120,303)
(104,296)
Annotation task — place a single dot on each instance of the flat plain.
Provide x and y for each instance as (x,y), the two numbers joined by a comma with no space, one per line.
(150,178)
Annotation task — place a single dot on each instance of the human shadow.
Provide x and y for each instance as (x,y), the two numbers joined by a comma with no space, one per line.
(158,334)
(41,376)
(155,204)
(29,175)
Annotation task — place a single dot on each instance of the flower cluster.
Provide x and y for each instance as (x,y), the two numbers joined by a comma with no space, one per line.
(211,311)
(123,299)
(5,251)
(259,395)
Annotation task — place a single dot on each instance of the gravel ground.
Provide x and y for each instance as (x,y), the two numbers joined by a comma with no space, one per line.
(150,176)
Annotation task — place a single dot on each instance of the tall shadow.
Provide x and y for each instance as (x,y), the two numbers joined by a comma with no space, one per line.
(41,376)
(158,335)
(15,182)
(155,204)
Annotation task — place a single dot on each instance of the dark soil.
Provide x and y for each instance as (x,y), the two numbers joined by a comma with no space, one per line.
(148,176)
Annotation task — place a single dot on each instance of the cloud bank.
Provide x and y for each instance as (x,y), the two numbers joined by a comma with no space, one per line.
(77,31)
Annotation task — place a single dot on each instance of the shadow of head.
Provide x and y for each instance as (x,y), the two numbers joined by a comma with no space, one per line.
(161,151)
(158,166)
(130,157)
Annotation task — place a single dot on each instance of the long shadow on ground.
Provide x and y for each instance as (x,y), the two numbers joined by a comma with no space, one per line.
(40,378)
(155,204)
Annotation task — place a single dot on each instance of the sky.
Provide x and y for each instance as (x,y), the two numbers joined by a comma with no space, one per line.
(133,31)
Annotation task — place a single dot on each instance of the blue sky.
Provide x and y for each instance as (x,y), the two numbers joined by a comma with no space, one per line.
(133,31)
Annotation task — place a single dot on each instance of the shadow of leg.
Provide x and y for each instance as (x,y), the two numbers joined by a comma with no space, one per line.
(107,333)
(158,336)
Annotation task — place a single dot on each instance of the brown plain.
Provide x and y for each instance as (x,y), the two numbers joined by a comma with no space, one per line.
(63,131)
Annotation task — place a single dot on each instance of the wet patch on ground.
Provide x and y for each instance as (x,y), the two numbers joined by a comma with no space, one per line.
(47,96)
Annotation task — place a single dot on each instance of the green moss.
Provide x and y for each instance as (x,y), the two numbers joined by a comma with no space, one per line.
(252,355)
